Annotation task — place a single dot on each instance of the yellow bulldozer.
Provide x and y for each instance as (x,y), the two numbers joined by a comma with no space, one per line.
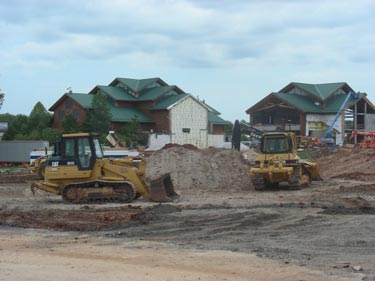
(278,162)
(79,173)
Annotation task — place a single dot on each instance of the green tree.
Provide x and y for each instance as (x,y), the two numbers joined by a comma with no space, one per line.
(50,134)
(98,118)
(6,117)
(236,136)
(132,134)
(70,125)
(23,127)
(17,127)
(39,118)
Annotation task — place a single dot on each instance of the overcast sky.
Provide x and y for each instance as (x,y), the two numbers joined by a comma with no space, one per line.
(230,53)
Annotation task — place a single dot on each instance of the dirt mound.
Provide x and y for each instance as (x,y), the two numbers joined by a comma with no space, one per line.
(201,169)
(349,164)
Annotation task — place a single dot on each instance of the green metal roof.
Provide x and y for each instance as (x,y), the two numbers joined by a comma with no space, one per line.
(117,93)
(167,101)
(320,91)
(306,104)
(148,94)
(215,119)
(84,100)
(163,95)
(154,93)
(118,114)
(128,114)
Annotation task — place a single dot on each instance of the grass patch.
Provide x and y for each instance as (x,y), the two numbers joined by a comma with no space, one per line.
(305,154)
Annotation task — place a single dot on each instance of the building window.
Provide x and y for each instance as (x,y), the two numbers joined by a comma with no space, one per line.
(186,130)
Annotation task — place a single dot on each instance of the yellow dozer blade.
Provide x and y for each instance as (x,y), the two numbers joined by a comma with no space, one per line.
(162,189)
(313,169)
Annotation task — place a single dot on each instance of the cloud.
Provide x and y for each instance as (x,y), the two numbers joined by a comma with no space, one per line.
(204,45)
(189,33)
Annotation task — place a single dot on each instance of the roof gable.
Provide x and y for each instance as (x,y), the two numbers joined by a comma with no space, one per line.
(306,104)
(137,85)
(127,89)
(170,101)
(83,100)
(167,102)
(319,91)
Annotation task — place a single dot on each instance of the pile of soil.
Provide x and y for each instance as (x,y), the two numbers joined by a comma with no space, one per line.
(353,164)
(208,169)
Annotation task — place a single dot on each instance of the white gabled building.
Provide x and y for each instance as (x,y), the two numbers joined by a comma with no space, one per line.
(191,122)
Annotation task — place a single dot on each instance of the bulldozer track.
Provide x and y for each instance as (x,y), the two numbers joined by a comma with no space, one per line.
(99,192)
(258,182)
(294,178)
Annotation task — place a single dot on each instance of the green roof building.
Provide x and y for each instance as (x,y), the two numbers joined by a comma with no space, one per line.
(310,109)
(161,109)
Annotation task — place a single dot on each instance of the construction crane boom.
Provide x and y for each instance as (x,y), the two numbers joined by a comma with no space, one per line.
(328,138)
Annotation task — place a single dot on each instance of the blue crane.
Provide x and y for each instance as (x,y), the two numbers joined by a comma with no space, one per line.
(328,138)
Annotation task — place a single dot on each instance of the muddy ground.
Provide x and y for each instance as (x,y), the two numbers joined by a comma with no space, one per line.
(323,232)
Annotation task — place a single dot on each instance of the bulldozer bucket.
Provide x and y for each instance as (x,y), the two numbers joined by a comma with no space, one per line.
(162,189)
(313,169)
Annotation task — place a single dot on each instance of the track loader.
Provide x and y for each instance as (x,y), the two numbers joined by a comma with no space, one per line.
(79,173)
(278,162)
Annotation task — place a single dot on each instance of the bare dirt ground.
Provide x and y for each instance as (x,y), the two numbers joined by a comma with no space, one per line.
(212,232)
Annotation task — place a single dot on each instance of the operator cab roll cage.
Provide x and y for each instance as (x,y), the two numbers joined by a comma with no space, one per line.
(77,150)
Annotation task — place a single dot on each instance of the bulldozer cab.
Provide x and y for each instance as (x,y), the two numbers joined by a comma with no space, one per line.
(81,150)
(277,143)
